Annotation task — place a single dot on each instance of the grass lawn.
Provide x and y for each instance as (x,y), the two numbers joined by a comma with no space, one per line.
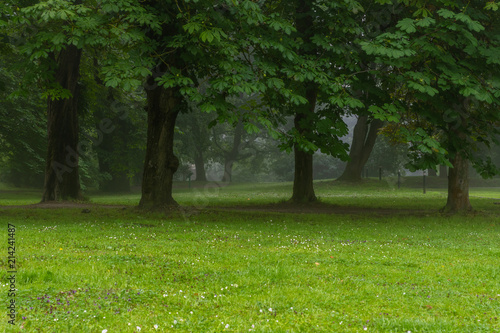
(397,265)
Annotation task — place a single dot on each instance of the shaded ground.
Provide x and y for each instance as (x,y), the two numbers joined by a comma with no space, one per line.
(323,208)
(283,207)
(62,204)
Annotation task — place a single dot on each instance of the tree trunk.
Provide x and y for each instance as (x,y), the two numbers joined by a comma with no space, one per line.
(443,171)
(61,171)
(458,186)
(228,170)
(160,163)
(431,172)
(199,163)
(200,141)
(232,155)
(303,188)
(363,140)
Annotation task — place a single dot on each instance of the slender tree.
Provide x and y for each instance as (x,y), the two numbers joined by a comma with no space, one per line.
(320,72)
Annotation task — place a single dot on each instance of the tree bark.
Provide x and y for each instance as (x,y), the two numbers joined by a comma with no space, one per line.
(303,188)
(62,180)
(363,140)
(160,164)
(458,186)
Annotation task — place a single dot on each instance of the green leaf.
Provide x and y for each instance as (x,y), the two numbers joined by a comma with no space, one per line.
(251,128)
(298,100)
(112,82)
(492,5)
(473,25)
(208,107)
(192,27)
(425,22)
(407,25)
(445,13)
(207,35)
(59,38)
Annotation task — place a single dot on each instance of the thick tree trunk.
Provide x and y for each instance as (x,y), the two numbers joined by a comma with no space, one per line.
(61,171)
(160,163)
(363,140)
(232,155)
(199,163)
(458,186)
(303,188)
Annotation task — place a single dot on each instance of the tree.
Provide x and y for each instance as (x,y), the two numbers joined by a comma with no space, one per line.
(363,140)
(23,135)
(371,89)
(60,32)
(446,58)
(63,181)
(113,125)
(199,135)
(163,106)
(195,138)
(389,155)
(319,72)
(208,43)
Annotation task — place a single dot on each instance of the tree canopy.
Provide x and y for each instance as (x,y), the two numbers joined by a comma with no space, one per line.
(426,70)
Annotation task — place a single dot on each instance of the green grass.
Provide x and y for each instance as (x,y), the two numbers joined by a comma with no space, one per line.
(118,269)
(369,194)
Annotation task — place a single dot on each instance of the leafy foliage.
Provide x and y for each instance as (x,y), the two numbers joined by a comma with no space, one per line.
(22,130)
(449,74)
